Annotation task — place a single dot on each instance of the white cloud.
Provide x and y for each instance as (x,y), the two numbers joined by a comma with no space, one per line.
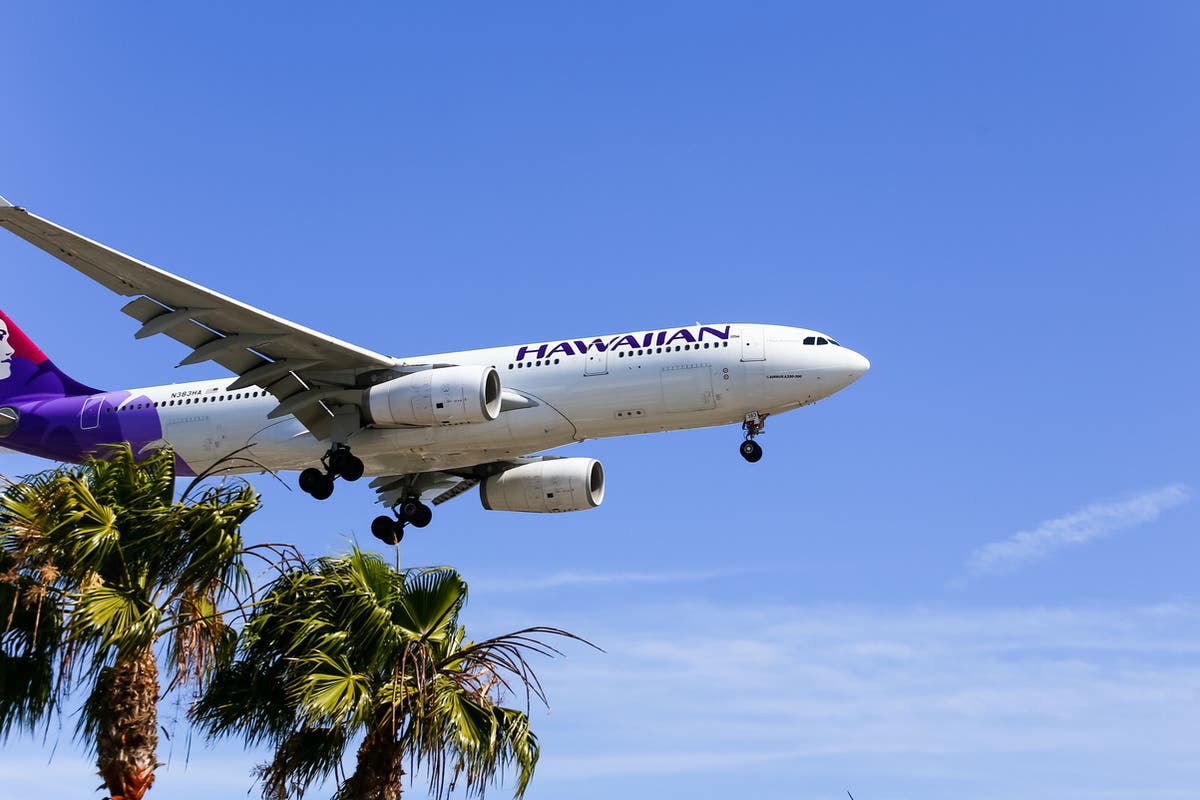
(1093,522)
(1031,702)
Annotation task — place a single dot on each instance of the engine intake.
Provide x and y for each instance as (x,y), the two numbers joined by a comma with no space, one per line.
(554,485)
(442,396)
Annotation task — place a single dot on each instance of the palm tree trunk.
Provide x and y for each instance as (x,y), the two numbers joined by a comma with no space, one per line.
(379,770)
(127,736)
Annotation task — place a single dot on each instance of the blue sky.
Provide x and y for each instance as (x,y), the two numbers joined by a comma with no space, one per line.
(972,574)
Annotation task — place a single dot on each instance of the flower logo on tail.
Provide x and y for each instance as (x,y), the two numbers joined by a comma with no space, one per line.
(6,351)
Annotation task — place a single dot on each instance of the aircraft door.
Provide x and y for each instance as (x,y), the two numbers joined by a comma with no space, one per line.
(89,415)
(597,363)
(753,348)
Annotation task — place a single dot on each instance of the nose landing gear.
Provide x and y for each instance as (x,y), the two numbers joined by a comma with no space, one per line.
(339,462)
(751,450)
(410,511)
(753,425)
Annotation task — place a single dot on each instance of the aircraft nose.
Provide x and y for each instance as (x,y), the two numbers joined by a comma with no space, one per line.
(859,363)
(856,365)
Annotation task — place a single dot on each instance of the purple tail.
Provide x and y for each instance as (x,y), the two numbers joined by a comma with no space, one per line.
(44,412)
(26,373)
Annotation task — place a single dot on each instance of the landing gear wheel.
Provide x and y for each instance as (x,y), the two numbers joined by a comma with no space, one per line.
(353,469)
(423,516)
(751,450)
(415,512)
(337,456)
(310,479)
(345,464)
(323,488)
(387,530)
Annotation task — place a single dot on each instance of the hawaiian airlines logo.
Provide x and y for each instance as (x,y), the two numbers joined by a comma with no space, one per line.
(6,352)
(14,343)
(629,340)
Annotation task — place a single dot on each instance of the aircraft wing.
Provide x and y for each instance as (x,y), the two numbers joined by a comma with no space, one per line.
(305,370)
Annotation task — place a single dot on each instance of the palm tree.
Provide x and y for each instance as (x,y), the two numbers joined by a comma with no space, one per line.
(349,647)
(99,566)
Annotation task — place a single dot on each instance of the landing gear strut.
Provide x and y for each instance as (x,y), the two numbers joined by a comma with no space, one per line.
(410,511)
(753,425)
(339,462)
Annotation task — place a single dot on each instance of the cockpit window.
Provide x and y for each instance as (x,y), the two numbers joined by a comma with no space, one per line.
(822,340)
(831,341)
(810,340)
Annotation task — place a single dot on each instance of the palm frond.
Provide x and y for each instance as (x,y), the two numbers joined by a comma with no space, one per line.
(301,759)
(118,565)
(119,618)
(347,644)
(31,622)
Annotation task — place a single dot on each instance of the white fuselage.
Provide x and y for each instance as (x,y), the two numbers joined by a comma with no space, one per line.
(555,394)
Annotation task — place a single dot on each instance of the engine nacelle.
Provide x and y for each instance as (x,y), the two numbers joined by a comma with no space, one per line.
(559,484)
(442,396)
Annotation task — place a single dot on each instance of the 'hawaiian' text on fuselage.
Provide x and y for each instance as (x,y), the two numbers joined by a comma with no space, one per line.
(630,340)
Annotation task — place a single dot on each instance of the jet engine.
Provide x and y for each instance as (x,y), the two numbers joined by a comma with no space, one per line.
(558,484)
(441,396)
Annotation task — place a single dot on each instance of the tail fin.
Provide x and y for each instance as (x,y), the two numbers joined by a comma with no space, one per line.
(25,372)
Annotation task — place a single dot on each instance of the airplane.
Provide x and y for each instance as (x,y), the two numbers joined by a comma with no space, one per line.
(425,428)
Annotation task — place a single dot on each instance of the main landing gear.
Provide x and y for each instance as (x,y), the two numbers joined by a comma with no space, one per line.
(408,512)
(753,425)
(339,462)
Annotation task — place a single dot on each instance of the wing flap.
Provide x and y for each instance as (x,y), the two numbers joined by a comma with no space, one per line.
(434,487)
